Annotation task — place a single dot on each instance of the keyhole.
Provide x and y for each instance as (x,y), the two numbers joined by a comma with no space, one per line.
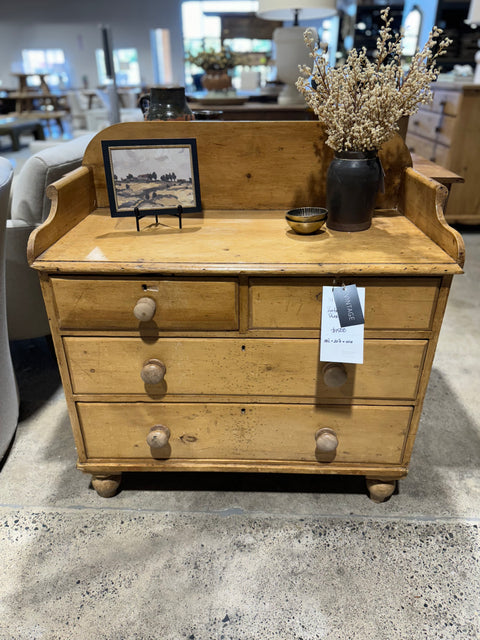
(243,347)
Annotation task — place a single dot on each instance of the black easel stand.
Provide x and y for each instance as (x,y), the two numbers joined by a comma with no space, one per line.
(139,215)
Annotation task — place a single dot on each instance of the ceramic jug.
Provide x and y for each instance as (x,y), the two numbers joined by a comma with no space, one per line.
(165,103)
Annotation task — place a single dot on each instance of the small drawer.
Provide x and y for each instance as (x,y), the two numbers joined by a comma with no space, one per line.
(431,125)
(223,431)
(233,367)
(295,303)
(175,304)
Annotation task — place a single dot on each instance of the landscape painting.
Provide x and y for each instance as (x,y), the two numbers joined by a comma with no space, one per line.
(151,176)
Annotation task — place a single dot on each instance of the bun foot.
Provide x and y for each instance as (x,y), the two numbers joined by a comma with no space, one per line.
(380,489)
(106,486)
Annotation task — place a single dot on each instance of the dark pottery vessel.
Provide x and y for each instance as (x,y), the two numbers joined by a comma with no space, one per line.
(353,181)
(165,103)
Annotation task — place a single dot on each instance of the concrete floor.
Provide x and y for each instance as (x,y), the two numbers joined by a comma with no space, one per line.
(246,557)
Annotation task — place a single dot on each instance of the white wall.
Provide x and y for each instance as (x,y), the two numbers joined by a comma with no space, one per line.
(75,28)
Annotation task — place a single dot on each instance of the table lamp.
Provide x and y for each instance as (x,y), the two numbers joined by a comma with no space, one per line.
(474,19)
(289,45)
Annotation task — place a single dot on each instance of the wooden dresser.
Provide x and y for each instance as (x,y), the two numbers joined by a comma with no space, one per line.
(198,348)
(447,132)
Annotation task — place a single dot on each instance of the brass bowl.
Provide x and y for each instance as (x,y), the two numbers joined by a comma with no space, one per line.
(307,226)
(307,214)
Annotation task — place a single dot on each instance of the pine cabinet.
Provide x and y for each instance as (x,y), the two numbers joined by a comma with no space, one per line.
(447,132)
(197,349)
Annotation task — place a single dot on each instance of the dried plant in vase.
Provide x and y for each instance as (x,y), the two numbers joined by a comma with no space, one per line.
(360,103)
(216,65)
(362,100)
(211,60)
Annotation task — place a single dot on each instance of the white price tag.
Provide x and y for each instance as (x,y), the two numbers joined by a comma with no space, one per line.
(340,344)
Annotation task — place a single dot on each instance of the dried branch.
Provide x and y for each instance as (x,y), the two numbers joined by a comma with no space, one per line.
(362,101)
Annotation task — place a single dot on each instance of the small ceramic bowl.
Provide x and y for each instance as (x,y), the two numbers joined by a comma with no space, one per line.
(306,227)
(306,220)
(309,214)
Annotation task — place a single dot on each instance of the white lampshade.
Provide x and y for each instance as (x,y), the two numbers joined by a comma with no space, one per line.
(285,9)
(474,12)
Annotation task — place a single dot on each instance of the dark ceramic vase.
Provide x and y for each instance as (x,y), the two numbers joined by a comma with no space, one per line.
(353,181)
(165,103)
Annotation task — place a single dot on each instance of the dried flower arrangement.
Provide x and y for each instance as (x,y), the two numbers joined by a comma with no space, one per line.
(361,101)
(211,60)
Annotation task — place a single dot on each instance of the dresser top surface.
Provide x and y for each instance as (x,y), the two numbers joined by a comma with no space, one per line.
(233,242)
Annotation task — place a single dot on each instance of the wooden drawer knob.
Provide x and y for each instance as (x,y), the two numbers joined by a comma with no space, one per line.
(144,310)
(334,374)
(158,436)
(153,371)
(326,440)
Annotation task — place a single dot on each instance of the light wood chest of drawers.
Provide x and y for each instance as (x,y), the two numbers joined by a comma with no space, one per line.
(447,132)
(222,373)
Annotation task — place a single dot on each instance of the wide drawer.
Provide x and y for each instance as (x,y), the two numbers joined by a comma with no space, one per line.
(235,431)
(295,303)
(433,125)
(234,367)
(429,149)
(183,304)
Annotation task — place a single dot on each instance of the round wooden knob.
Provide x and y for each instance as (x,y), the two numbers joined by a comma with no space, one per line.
(326,440)
(144,310)
(158,436)
(334,374)
(153,371)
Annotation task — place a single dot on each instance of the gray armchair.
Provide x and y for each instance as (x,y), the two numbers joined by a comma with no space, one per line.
(8,388)
(26,315)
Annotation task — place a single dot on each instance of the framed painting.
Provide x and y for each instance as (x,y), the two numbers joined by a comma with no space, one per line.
(151,177)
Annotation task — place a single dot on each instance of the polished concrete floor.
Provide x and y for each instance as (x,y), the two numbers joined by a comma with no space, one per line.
(246,557)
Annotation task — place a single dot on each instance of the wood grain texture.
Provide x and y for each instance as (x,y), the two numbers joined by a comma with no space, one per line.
(428,363)
(182,304)
(424,196)
(251,402)
(294,303)
(256,432)
(236,242)
(253,165)
(464,201)
(435,171)
(448,132)
(103,466)
(249,367)
(73,198)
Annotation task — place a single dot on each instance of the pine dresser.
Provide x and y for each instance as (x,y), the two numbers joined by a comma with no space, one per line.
(197,349)
(447,132)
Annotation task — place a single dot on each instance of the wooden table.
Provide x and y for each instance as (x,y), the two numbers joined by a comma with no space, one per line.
(23,84)
(197,349)
(435,171)
(14,128)
(259,111)
(27,101)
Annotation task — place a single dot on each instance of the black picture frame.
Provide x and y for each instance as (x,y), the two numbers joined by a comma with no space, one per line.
(151,177)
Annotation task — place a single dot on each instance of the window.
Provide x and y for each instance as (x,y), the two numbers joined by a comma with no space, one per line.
(125,62)
(412,25)
(202,29)
(46,61)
